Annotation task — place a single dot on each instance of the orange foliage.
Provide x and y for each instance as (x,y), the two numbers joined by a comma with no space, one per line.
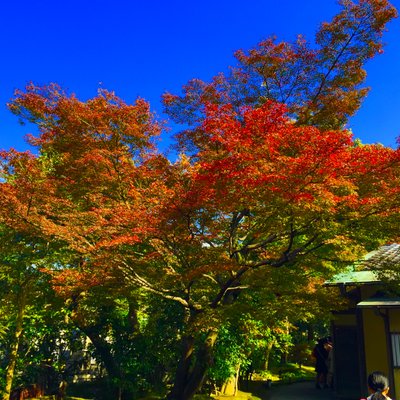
(320,83)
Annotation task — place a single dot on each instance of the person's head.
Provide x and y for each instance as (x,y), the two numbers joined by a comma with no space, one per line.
(378,383)
(322,342)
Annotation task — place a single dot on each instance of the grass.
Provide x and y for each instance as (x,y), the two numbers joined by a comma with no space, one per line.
(257,390)
(53,397)
(239,396)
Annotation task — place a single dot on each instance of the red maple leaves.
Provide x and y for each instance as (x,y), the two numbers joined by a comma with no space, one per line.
(259,183)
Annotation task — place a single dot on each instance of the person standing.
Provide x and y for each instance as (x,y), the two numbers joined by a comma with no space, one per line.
(320,354)
(329,363)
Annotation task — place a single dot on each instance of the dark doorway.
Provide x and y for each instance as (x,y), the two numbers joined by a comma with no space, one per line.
(347,366)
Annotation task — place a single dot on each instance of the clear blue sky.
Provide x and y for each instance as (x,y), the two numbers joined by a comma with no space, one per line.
(144,48)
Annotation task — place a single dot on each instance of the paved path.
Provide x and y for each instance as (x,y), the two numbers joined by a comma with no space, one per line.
(294,391)
(300,391)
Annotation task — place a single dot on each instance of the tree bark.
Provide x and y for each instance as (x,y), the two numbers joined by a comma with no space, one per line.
(230,386)
(103,349)
(15,344)
(183,370)
(189,380)
(267,353)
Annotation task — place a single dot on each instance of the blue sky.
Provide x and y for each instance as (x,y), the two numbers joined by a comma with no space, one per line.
(144,48)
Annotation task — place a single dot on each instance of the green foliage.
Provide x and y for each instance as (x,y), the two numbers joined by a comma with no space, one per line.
(243,343)
(148,357)
(230,353)
(301,353)
(140,334)
(289,373)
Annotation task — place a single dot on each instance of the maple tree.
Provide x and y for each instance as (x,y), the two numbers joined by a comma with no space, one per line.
(86,183)
(269,195)
(262,194)
(273,195)
(321,83)
(90,170)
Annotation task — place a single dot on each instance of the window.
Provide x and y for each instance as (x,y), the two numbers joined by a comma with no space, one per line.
(395,338)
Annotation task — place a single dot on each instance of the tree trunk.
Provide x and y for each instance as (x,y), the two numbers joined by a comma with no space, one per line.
(189,380)
(230,386)
(15,345)
(183,370)
(267,353)
(103,349)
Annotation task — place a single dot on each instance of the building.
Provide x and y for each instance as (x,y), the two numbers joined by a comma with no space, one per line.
(366,335)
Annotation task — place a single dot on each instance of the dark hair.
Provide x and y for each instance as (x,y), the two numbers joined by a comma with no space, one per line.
(378,382)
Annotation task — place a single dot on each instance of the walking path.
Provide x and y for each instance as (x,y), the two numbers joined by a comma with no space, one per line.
(300,391)
(294,391)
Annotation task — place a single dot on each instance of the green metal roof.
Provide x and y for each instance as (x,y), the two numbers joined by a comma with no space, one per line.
(350,276)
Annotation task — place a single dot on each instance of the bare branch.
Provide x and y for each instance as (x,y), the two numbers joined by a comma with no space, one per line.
(135,278)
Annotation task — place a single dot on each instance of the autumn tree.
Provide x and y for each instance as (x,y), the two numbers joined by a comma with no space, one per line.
(88,173)
(321,83)
(264,194)
(261,195)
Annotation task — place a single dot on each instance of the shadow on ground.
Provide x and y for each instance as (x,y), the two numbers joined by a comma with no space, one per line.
(295,391)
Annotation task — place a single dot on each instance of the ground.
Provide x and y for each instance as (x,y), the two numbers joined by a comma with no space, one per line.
(294,391)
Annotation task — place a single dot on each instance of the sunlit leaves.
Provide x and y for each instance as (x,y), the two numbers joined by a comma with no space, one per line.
(321,84)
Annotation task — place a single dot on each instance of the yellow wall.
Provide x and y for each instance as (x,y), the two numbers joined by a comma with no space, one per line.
(376,352)
(396,388)
(375,346)
(394,318)
(374,342)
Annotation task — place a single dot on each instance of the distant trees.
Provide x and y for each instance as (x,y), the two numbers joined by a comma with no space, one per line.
(31,317)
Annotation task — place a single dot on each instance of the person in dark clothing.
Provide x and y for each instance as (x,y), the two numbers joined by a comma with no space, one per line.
(320,354)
